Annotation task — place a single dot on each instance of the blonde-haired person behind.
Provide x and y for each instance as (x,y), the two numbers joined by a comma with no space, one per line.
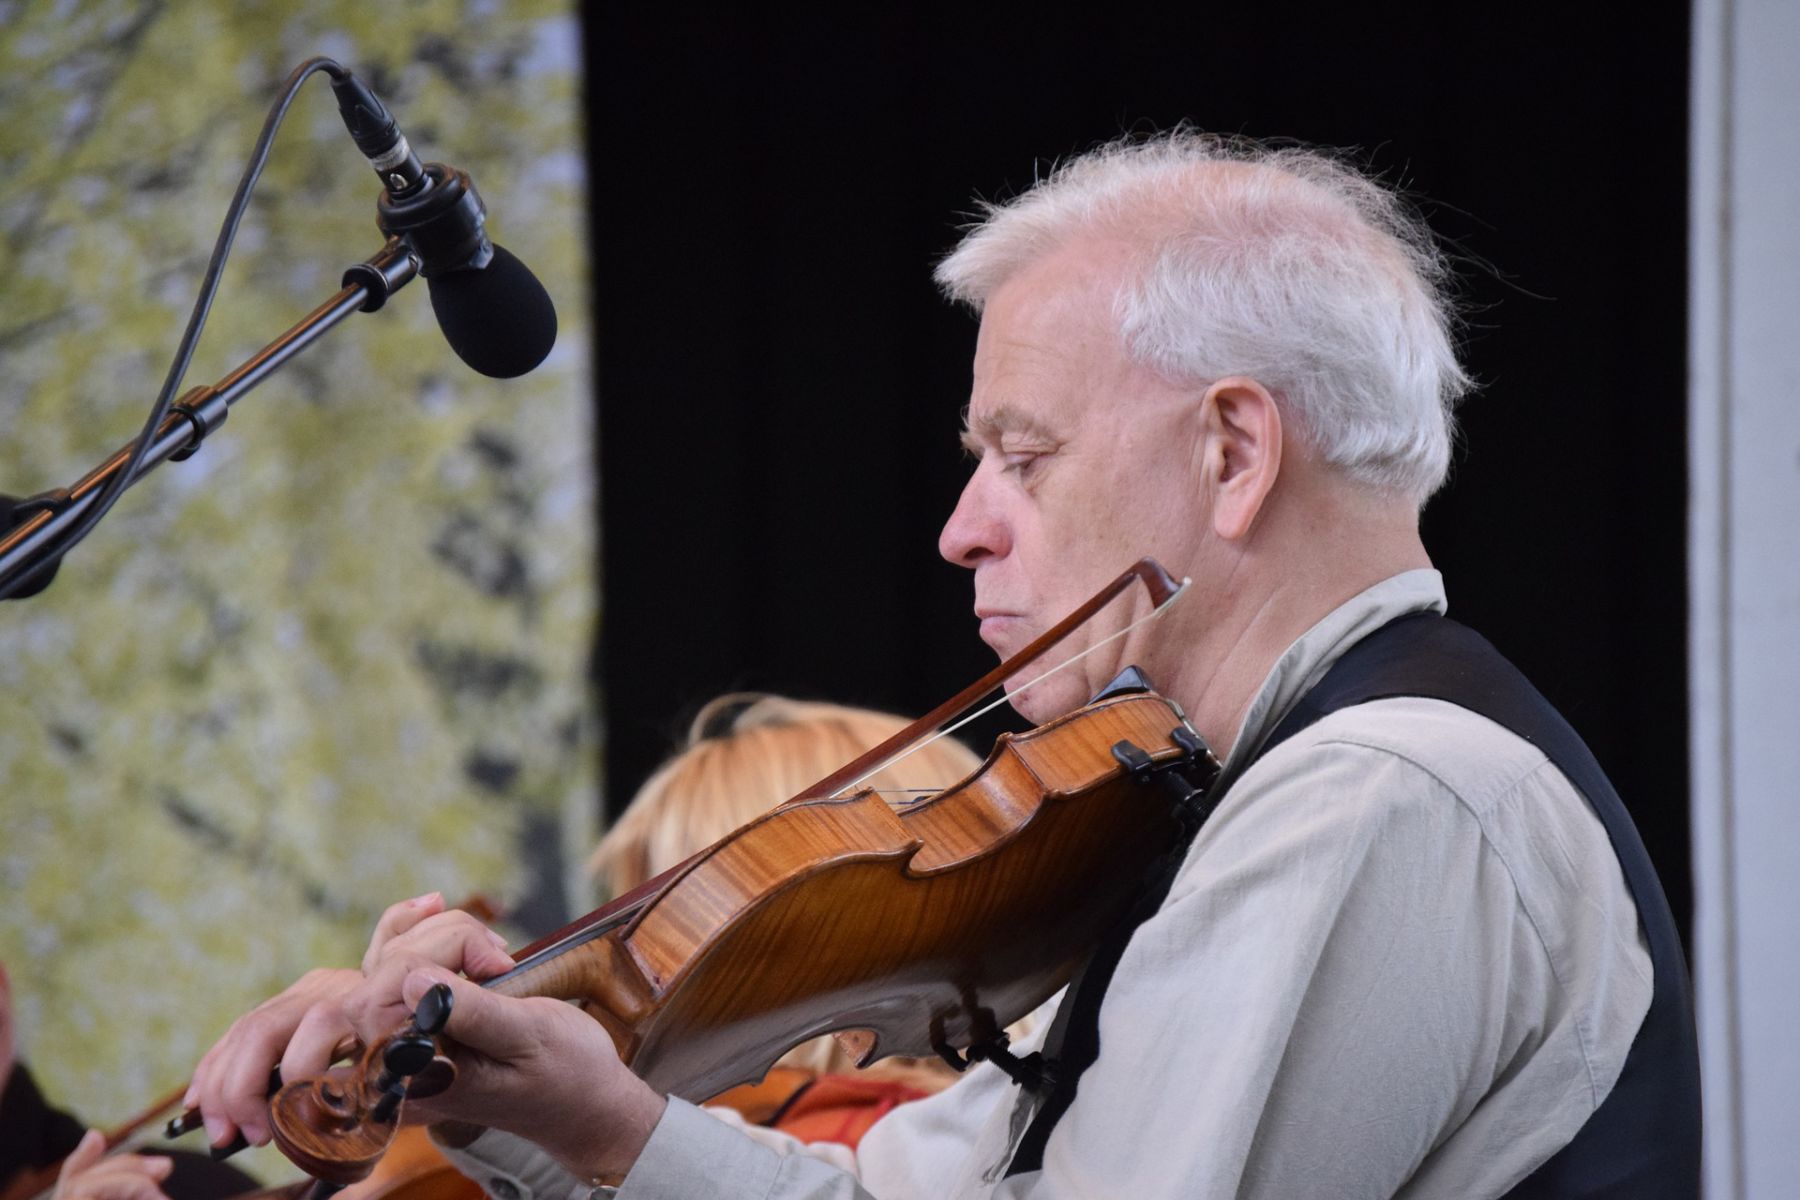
(746,753)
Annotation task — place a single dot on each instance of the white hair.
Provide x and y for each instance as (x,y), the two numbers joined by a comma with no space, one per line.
(1279,263)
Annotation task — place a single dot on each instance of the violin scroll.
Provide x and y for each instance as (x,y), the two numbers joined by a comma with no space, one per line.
(337,1126)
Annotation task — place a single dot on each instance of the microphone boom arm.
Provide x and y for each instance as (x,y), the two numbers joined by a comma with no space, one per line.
(34,543)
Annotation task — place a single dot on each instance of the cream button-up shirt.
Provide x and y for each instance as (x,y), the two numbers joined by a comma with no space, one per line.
(1399,960)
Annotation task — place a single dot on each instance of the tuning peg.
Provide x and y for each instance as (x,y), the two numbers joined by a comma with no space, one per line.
(434,1010)
(413,1050)
(407,1055)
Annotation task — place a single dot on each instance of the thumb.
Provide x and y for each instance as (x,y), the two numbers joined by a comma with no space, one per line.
(90,1150)
(484,1021)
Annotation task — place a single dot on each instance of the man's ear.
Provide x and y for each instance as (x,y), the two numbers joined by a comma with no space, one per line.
(1242,430)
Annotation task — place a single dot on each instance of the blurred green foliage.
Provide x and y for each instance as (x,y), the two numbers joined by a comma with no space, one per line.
(339,657)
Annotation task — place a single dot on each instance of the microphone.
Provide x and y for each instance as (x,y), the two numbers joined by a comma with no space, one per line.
(492,309)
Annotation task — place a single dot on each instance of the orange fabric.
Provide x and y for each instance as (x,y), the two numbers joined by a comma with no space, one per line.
(758,1103)
(840,1108)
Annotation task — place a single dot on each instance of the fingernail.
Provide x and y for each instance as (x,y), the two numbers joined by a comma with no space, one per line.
(188,1098)
(216,1128)
(498,940)
(421,901)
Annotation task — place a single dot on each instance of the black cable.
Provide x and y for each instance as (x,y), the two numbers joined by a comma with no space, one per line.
(190,339)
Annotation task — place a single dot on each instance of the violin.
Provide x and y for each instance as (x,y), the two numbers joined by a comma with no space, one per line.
(918,927)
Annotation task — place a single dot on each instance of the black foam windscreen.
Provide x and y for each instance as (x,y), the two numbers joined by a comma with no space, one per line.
(498,318)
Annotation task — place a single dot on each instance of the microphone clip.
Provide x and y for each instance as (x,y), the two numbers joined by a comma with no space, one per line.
(442,223)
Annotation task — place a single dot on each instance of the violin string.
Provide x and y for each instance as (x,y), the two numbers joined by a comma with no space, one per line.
(1005,696)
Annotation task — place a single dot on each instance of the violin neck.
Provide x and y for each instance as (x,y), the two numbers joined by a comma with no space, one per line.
(539,959)
(594,968)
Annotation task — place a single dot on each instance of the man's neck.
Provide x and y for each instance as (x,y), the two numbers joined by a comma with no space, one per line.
(1230,642)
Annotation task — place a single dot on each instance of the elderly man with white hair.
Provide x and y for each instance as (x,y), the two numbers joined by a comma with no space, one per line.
(1416,951)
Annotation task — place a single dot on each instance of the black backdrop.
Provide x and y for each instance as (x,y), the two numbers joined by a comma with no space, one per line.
(779,386)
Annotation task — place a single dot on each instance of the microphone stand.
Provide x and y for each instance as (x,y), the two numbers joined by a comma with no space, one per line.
(366,287)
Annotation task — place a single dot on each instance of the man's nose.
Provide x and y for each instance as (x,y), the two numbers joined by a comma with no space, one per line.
(975,529)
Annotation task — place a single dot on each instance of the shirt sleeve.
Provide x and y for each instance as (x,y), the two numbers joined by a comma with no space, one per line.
(508,1167)
(692,1154)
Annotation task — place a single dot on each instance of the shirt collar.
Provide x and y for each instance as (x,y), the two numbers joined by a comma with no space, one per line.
(1305,662)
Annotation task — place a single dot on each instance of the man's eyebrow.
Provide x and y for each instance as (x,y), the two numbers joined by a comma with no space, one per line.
(1000,420)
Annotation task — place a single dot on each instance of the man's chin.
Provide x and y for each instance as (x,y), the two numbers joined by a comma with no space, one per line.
(1047,701)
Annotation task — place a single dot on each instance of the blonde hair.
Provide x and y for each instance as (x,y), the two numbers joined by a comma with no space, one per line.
(746,753)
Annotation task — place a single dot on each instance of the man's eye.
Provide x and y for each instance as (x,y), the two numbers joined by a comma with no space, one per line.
(1019,461)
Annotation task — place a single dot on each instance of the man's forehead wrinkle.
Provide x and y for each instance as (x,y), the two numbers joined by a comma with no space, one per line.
(1018,389)
(1025,356)
(1048,344)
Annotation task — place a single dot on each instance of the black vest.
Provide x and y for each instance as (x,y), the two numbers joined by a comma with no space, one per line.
(1643,1142)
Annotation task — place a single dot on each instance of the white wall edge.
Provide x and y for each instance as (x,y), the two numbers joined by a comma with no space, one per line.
(1709,689)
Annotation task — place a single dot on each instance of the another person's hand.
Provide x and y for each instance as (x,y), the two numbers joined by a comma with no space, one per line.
(301,1028)
(230,1085)
(88,1174)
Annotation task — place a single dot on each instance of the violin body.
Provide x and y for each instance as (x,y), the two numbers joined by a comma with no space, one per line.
(913,928)
(920,929)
